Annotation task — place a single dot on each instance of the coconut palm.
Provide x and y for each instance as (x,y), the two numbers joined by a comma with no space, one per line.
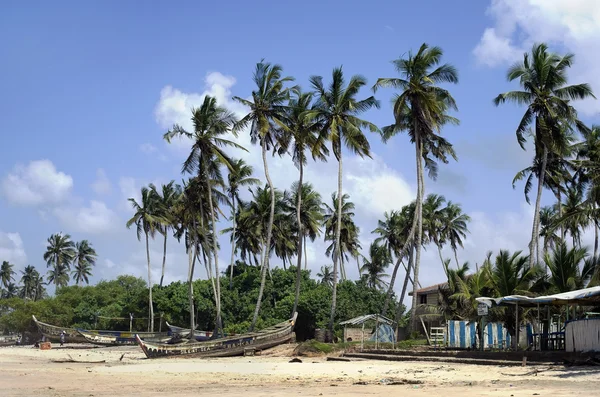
(337,109)
(433,219)
(167,197)
(373,269)
(548,220)
(455,226)
(248,233)
(28,280)
(543,77)
(326,276)
(211,123)
(11,291)
(574,220)
(147,219)
(84,260)
(59,254)
(421,110)
(301,136)
(349,242)
(240,175)
(268,109)
(565,268)
(6,274)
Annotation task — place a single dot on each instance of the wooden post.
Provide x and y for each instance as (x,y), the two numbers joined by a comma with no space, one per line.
(160,323)
(362,340)
(377,333)
(425,329)
(517,327)
(130,322)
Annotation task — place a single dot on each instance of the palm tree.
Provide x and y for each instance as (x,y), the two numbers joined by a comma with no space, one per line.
(167,198)
(266,120)
(564,265)
(420,109)
(239,176)
(147,220)
(433,218)
(59,254)
(6,274)
(28,280)
(349,244)
(211,124)
(326,276)
(509,274)
(84,260)
(302,135)
(548,219)
(543,77)
(374,267)
(575,220)
(454,226)
(11,291)
(337,109)
(248,238)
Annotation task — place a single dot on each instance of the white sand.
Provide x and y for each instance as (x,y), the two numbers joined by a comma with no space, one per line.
(25,371)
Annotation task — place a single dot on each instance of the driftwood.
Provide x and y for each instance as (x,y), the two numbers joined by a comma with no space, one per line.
(72,360)
(533,372)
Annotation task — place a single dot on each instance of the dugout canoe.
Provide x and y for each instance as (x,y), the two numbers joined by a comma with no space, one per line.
(117,338)
(52,332)
(181,332)
(224,347)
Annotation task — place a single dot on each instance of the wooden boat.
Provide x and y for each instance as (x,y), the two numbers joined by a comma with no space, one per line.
(52,332)
(224,347)
(8,340)
(115,338)
(184,332)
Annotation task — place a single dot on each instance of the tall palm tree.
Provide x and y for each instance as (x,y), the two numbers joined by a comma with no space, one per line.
(59,254)
(565,268)
(266,119)
(11,291)
(543,77)
(84,260)
(349,244)
(239,176)
(574,220)
(147,220)
(433,218)
(211,124)
(421,110)
(326,276)
(169,194)
(28,281)
(455,226)
(374,267)
(548,220)
(302,134)
(6,273)
(337,108)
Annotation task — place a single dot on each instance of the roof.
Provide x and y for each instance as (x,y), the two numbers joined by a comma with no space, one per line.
(431,288)
(581,296)
(367,317)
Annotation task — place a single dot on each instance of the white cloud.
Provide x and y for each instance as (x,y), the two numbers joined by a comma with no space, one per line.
(102,184)
(109,264)
(567,25)
(94,219)
(12,249)
(148,148)
(37,183)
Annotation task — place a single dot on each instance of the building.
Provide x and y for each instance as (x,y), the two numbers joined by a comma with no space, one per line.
(427,300)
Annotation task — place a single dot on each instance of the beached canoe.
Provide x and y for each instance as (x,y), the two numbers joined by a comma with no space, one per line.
(180,332)
(8,340)
(224,347)
(52,332)
(116,338)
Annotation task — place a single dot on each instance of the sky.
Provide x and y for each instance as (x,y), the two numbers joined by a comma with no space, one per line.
(89,88)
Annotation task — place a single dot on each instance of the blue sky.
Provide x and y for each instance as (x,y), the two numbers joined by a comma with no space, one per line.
(89,89)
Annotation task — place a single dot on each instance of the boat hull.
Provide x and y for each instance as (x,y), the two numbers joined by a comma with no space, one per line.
(52,332)
(223,347)
(117,338)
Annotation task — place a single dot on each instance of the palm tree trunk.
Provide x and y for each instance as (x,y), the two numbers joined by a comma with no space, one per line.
(562,226)
(386,303)
(215,251)
(191,266)
(300,239)
(265,263)
(419,215)
(439,247)
(305,256)
(405,285)
(358,266)
(232,248)
(162,275)
(456,258)
(535,232)
(151,319)
(337,256)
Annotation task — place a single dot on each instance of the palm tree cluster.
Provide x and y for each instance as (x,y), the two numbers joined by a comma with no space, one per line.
(282,120)
(63,255)
(31,283)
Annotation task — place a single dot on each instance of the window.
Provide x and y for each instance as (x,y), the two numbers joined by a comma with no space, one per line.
(423,299)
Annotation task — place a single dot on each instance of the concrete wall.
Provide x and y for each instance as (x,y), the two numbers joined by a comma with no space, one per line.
(356,334)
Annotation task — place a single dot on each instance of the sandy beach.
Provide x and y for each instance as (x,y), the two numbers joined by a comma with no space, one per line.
(25,371)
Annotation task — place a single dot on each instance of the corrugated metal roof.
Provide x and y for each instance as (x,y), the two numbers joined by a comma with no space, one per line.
(368,317)
(586,295)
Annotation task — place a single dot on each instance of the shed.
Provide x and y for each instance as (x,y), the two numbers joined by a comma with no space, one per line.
(355,328)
